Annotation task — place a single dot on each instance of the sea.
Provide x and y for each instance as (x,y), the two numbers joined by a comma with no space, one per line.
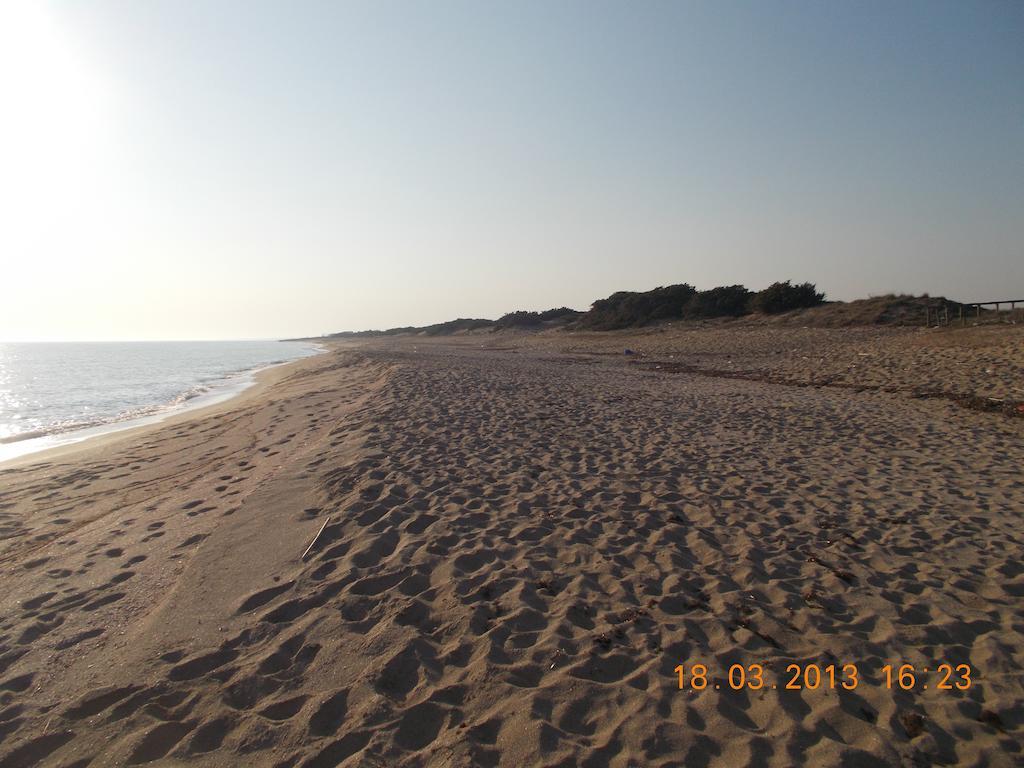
(52,394)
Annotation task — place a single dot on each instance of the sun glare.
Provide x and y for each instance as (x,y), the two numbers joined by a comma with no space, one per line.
(54,109)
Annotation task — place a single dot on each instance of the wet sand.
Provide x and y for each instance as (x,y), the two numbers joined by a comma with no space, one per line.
(525,536)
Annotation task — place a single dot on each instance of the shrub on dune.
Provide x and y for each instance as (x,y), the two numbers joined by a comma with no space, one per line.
(783,297)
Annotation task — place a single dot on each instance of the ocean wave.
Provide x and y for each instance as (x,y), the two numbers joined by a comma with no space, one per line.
(68,399)
(129,414)
(189,394)
(52,429)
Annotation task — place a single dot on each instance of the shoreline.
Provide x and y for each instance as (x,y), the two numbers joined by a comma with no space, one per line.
(74,441)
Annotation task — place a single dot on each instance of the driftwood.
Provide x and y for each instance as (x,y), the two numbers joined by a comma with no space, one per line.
(313,542)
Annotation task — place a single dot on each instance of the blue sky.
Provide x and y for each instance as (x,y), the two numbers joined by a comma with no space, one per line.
(245,169)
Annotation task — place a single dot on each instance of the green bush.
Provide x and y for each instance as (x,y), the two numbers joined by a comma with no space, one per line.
(783,297)
(518,319)
(524,319)
(454,326)
(724,301)
(559,313)
(626,309)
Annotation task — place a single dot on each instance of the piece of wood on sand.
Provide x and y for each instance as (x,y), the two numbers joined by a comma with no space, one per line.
(313,542)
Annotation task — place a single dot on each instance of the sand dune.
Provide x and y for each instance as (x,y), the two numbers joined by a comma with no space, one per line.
(524,541)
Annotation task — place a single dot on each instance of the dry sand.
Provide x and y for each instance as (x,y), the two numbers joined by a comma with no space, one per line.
(527,534)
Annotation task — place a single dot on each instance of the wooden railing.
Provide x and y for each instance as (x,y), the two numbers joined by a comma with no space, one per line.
(940,315)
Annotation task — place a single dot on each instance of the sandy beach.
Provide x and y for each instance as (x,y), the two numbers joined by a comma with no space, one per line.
(526,535)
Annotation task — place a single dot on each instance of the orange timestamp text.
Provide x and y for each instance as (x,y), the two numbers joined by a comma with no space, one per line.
(810,677)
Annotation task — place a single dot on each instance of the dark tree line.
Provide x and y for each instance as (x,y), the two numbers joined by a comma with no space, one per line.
(629,309)
(626,309)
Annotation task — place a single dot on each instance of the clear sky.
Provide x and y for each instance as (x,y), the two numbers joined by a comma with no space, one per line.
(259,169)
